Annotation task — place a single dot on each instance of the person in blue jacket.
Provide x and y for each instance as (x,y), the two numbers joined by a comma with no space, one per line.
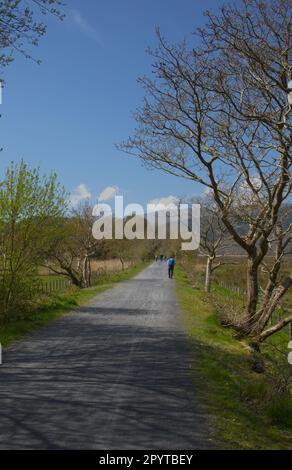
(170,264)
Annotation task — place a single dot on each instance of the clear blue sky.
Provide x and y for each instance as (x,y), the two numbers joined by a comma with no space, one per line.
(67,114)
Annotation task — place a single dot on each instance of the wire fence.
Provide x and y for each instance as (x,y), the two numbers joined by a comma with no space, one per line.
(237,290)
(53,285)
(277,314)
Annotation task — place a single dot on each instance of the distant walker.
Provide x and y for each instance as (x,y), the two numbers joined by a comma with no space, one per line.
(170,265)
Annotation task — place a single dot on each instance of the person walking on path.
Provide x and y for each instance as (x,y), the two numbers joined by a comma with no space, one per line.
(170,265)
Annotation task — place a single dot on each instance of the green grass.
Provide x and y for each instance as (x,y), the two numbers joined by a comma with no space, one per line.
(280,411)
(236,398)
(57,304)
(50,277)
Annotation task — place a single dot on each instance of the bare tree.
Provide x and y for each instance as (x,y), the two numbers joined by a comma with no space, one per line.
(218,115)
(73,247)
(213,240)
(280,245)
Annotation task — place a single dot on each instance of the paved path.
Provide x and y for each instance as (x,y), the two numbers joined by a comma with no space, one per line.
(113,375)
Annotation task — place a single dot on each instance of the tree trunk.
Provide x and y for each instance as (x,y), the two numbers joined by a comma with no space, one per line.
(270,307)
(273,329)
(84,272)
(68,271)
(251,300)
(252,291)
(208,275)
(75,281)
(264,315)
(89,272)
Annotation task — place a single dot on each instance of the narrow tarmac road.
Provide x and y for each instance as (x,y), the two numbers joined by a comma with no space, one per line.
(113,375)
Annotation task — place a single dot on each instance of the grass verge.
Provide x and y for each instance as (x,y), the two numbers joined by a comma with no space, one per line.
(57,304)
(234,395)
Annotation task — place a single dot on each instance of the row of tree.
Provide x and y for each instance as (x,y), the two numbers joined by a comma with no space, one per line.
(39,228)
(218,112)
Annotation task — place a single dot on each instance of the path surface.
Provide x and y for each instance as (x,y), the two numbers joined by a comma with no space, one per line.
(114,375)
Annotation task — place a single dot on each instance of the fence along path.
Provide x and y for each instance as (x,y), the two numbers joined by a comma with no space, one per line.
(276,316)
(52,285)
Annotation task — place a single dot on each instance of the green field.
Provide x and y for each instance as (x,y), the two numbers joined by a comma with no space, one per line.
(247,410)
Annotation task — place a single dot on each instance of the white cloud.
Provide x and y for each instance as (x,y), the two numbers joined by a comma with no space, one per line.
(165,201)
(80,194)
(108,193)
(83,24)
(168,203)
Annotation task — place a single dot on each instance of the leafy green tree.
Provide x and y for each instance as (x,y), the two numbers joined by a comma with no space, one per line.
(31,207)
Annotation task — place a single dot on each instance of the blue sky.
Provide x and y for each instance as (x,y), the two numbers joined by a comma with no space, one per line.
(67,114)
